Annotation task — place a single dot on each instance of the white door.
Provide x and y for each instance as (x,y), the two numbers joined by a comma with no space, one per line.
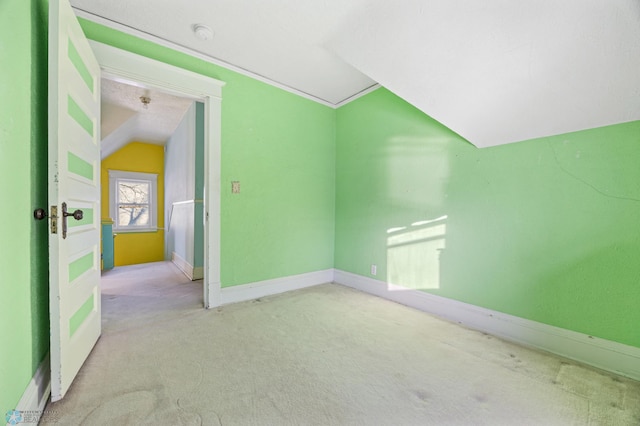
(74,182)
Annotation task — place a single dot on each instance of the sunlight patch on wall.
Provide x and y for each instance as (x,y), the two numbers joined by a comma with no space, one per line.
(413,254)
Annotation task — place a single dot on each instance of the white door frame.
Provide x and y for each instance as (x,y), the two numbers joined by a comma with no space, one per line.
(124,66)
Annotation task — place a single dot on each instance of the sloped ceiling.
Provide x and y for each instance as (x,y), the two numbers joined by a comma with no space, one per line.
(494,71)
(124,118)
(501,71)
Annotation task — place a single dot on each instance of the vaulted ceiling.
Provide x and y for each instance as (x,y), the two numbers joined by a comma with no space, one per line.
(494,71)
(125,118)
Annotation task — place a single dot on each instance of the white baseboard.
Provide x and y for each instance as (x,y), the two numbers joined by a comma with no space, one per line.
(241,293)
(198,273)
(188,269)
(36,395)
(605,354)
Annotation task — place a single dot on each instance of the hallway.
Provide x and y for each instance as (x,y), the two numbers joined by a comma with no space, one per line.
(141,293)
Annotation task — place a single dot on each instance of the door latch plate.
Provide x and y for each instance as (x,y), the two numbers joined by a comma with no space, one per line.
(54,219)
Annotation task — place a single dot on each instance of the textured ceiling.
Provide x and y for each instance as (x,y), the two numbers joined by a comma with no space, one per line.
(494,71)
(279,40)
(124,118)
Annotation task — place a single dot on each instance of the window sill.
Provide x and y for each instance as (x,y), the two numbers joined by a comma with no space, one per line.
(134,231)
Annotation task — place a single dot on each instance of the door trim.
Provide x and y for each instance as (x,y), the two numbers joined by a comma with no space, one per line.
(127,67)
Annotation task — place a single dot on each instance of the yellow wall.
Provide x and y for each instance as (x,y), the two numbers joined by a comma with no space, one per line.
(142,247)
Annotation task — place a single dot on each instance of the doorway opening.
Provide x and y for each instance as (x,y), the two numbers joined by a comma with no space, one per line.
(152,174)
(204,97)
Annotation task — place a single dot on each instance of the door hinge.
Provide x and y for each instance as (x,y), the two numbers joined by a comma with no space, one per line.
(54,219)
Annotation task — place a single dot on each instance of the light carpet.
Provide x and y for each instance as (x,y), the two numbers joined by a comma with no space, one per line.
(325,355)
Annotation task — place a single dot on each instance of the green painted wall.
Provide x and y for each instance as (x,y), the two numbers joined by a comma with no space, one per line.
(545,230)
(24,327)
(281,148)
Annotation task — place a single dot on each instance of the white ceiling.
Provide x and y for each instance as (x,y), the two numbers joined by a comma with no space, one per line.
(494,71)
(279,40)
(501,71)
(125,119)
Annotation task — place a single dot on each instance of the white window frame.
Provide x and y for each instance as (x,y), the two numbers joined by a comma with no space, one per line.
(114,177)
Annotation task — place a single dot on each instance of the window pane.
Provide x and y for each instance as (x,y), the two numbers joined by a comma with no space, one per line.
(133,215)
(132,192)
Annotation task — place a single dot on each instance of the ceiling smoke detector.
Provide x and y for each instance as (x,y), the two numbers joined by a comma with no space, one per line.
(202,31)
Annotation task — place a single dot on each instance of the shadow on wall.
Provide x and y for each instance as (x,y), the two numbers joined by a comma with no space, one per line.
(39,246)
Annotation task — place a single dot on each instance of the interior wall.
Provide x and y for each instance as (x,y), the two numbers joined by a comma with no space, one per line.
(281,149)
(184,170)
(545,229)
(132,248)
(198,219)
(24,317)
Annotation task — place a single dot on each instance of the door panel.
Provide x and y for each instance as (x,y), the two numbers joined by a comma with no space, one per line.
(74,179)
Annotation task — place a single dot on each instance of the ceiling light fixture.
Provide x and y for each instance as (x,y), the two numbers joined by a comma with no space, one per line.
(202,31)
(145,101)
